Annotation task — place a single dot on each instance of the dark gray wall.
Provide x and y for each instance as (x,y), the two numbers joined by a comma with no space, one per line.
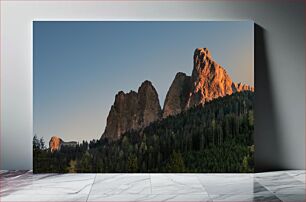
(279,67)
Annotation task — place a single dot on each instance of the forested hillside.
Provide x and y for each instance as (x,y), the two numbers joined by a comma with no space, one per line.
(215,137)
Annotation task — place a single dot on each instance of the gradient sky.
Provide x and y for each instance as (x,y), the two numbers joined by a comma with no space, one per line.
(80,66)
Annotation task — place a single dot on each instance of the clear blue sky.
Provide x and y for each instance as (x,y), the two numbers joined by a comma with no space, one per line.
(80,66)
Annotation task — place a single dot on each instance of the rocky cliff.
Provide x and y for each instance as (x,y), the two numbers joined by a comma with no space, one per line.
(132,110)
(208,81)
(177,96)
(56,143)
(135,110)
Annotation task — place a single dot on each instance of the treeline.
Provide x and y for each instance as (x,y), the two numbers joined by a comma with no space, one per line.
(216,137)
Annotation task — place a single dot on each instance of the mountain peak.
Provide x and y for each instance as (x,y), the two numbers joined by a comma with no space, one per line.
(177,95)
(132,111)
(202,53)
(208,81)
(180,74)
(146,83)
(55,143)
(145,86)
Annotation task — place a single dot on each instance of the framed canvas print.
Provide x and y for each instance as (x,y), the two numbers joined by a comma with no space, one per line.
(143,96)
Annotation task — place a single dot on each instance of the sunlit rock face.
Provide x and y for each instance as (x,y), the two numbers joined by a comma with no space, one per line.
(208,81)
(133,110)
(55,143)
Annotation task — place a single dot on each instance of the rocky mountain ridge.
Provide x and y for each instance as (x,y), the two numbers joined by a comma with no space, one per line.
(135,110)
(208,81)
